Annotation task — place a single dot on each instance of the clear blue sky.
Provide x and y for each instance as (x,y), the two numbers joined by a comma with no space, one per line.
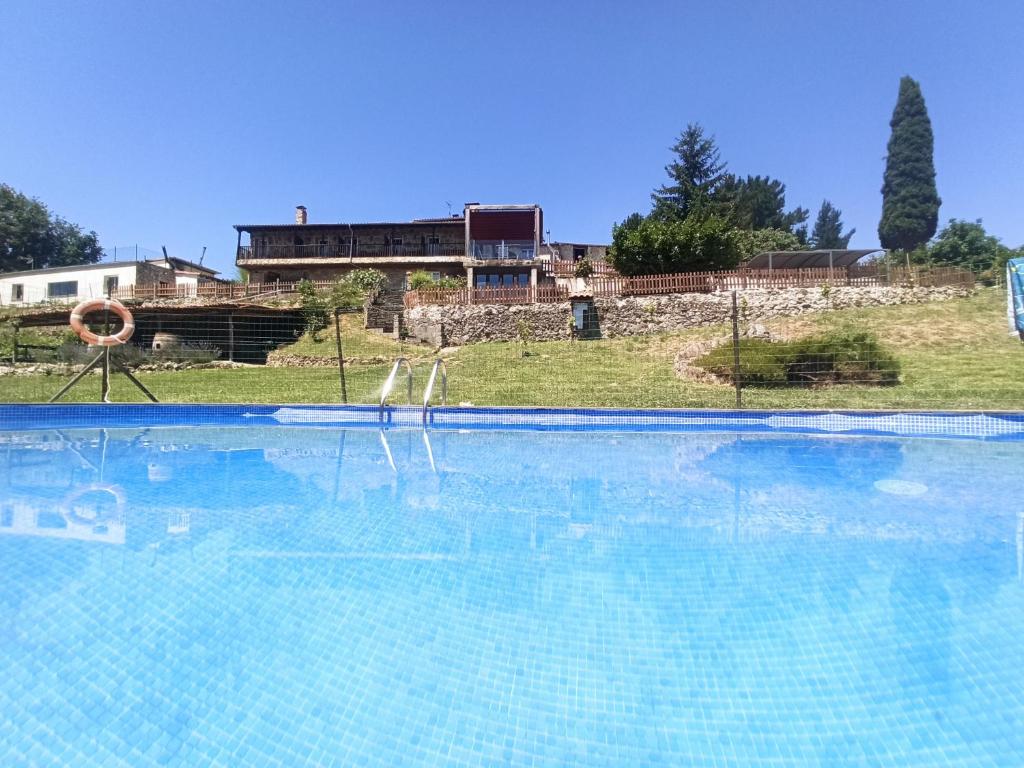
(166,123)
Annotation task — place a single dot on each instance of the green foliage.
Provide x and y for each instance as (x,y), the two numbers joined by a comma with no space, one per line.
(524,333)
(694,176)
(759,202)
(828,228)
(420,279)
(367,281)
(910,200)
(832,357)
(449,281)
(584,269)
(754,241)
(33,238)
(314,307)
(966,244)
(658,247)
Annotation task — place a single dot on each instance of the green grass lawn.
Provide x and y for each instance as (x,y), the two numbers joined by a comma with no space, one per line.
(954,354)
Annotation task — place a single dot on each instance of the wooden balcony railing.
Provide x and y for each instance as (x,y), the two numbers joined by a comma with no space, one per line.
(342,251)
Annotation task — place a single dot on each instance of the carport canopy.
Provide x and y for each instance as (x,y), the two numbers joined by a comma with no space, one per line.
(809,259)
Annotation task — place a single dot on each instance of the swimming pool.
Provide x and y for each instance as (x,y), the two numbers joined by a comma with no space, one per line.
(295,586)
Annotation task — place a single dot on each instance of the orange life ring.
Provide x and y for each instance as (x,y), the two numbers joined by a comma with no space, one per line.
(92,305)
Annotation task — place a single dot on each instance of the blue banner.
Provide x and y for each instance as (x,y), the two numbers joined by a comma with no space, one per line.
(1015,295)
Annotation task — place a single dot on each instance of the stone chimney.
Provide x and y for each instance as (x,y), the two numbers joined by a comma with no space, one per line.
(300,214)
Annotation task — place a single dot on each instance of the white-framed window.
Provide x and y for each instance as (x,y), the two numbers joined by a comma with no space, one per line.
(17,292)
(109,283)
(62,290)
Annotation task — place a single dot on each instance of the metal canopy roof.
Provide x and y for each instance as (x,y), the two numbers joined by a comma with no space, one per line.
(808,259)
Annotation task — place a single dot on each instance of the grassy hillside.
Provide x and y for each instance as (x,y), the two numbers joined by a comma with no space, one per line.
(954,354)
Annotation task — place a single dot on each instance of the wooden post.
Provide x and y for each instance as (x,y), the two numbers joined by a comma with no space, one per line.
(14,344)
(231,337)
(341,357)
(736,350)
(105,381)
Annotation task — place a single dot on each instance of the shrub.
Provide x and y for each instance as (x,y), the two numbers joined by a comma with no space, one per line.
(314,308)
(584,269)
(835,357)
(367,281)
(420,279)
(451,282)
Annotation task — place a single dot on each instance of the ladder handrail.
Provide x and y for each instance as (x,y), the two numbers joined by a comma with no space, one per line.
(389,383)
(438,364)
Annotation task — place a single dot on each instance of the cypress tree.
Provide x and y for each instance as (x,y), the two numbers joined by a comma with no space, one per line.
(910,201)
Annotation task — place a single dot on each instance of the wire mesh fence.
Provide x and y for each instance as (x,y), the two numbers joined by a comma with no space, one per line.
(948,351)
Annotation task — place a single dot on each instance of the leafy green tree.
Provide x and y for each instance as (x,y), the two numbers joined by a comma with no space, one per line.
(657,246)
(32,238)
(966,244)
(759,202)
(910,201)
(694,176)
(754,241)
(828,228)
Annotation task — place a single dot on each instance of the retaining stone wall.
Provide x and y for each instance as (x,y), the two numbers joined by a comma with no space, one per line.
(631,316)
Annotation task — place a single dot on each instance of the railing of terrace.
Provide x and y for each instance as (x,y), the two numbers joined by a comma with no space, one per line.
(343,251)
(542,294)
(566,268)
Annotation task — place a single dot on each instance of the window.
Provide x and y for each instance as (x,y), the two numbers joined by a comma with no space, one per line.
(62,290)
(109,283)
(17,292)
(435,276)
(523,279)
(396,245)
(433,245)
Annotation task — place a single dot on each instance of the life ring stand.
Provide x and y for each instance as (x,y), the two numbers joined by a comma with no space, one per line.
(73,517)
(94,305)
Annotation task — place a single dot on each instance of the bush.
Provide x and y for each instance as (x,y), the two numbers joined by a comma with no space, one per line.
(451,282)
(836,357)
(367,281)
(420,279)
(314,308)
(657,247)
(584,269)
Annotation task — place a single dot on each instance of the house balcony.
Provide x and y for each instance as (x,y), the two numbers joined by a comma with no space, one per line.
(502,250)
(328,253)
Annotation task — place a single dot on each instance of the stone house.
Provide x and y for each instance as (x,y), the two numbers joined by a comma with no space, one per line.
(489,245)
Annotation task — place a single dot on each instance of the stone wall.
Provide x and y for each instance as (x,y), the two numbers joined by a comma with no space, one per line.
(632,316)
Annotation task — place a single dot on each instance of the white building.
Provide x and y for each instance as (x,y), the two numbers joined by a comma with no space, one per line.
(94,281)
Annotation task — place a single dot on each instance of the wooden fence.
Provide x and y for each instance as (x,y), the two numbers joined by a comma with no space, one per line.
(604,285)
(211,290)
(566,268)
(527,294)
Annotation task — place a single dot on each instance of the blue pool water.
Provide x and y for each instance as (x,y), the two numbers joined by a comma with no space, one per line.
(296,595)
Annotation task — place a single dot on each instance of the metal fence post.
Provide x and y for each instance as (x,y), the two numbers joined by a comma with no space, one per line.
(341,358)
(736,351)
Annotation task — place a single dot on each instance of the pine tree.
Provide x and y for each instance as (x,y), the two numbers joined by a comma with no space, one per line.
(694,176)
(828,228)
(910,201)
(759,202)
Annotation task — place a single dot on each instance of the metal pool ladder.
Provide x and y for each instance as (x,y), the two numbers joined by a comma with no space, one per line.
(439,365)
(389,383)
